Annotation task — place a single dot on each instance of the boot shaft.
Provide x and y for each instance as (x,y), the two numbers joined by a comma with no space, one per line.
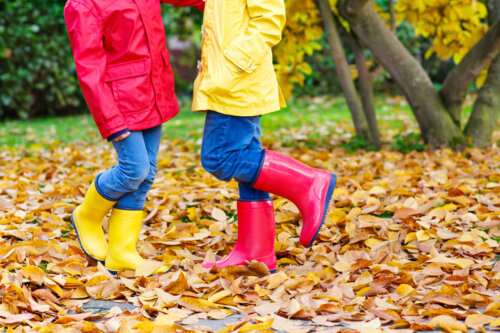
(256,227)
(124,230)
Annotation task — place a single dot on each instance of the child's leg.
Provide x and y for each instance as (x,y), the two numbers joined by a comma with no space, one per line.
(247,192)
(126,218)
(132,169)
(135,200)
(232,149)
(227,153)
(228,150)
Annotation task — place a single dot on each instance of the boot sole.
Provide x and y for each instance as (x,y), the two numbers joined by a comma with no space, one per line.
(116,272)
(79,241)
(272,271)
(328,201)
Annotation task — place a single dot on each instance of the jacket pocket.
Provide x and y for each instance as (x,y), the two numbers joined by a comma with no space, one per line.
(131,84)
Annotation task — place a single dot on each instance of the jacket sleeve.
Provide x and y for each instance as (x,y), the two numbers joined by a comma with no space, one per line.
(85,32)
(267,20)
(199,4)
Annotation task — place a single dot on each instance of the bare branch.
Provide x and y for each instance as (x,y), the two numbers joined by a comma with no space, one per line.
(459,79)
(365,86)
(393,15)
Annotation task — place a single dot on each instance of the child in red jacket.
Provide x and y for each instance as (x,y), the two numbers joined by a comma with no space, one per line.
(124,72)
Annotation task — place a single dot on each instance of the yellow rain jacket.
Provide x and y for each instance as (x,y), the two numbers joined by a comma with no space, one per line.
(236,75)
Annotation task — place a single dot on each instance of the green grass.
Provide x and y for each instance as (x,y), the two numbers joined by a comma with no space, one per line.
(320,112)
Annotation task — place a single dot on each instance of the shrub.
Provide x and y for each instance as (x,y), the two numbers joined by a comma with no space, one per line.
(37,74)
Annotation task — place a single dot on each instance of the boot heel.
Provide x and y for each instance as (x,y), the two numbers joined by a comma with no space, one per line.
(328,204)
(80,241)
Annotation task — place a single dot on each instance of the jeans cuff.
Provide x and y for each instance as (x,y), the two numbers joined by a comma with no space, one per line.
(117,206)
(261,164)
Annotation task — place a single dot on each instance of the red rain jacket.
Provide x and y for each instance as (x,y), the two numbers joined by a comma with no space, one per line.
(122,62)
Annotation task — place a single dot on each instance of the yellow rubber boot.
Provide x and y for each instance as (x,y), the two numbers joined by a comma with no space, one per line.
(87,221)
(124,230)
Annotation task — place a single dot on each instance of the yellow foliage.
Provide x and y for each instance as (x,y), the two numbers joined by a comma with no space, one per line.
(454,26)
(300,38)
(303,29)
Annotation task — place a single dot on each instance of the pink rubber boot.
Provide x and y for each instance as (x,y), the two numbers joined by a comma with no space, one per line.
(256,227)
(309,189)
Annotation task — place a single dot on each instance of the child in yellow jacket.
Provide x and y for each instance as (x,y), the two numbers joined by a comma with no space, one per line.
(236,85)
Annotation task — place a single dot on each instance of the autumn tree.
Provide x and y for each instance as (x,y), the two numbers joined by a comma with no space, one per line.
(465,32)
(437,112)
(303,29)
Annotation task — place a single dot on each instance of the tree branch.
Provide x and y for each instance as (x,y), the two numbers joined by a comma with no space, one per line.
(393,15)
(365,86)
(374,73)
(342,68)
(457,82)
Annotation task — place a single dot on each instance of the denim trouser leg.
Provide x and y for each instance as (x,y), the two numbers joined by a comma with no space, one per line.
(231,149)
(129,181)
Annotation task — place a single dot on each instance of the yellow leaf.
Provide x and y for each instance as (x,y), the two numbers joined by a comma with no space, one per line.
(350,228)
(447,323)
(218,296)
(33,273)
(257,327)
(371,242)
(198,303)
(167,319)
(423,235)
(377,190)
(410,237)
(148,267)
(96,280)
(364,279)
(192,214)
(404,290)
(478,320)
(463,263)
(177,284)
(482,78)
(450,207)
(493,309)
(337,215)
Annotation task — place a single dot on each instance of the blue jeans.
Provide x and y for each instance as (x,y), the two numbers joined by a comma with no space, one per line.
(129,182)
(231,148)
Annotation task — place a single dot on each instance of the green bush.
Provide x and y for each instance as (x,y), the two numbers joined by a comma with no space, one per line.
(37,74)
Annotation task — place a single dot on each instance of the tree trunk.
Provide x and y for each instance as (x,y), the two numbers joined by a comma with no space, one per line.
(483,120)
(365,88)
(436,124)
(342,68)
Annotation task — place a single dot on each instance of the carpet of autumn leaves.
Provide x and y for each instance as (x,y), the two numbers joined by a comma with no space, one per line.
(412,244)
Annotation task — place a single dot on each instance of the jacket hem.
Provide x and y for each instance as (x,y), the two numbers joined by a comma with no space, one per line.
(139,126)
(249,111)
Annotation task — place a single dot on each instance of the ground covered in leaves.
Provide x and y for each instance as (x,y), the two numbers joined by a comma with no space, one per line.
(412,244)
